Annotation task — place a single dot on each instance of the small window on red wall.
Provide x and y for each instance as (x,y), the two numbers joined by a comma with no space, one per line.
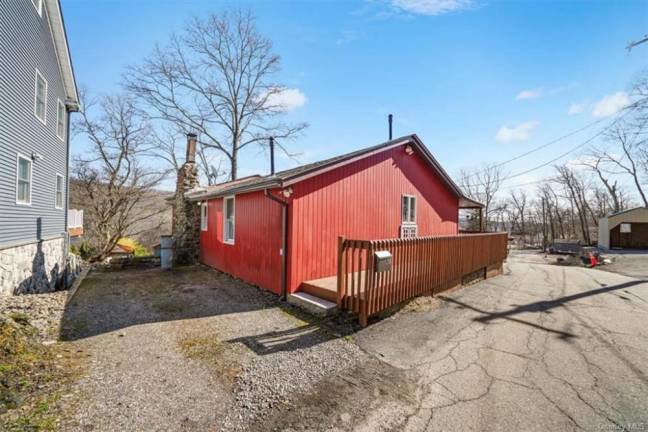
(408,209)
(203,216)
(228,220)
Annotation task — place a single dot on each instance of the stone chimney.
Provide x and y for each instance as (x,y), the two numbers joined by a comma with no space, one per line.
(186,214)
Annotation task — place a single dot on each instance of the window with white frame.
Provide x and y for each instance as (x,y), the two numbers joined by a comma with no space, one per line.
(626,228)
(60,120)
(203,216)
(228,220)
(58,203)
(40,98)
(408,209)
(23,180)
(38,4)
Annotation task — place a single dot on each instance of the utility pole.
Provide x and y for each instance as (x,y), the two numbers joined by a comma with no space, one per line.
(633,44)
(544,227)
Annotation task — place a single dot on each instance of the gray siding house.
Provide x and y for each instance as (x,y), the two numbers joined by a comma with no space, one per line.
(37,94)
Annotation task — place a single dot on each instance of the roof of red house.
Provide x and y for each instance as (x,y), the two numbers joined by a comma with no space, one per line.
(293,175)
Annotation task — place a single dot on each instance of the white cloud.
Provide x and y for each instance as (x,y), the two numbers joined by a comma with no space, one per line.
(530,94)
(520,132)
(348,36)
(287,99)
(576,108)
(432,7)
(611,104)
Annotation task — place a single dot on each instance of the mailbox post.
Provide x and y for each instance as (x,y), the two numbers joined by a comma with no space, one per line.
(382,261)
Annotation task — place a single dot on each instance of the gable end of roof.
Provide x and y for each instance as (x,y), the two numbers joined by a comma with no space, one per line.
(295,175)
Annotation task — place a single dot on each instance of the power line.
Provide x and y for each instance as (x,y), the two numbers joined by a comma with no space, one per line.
(521,173)
(571,150)
(538,148)
(513,186)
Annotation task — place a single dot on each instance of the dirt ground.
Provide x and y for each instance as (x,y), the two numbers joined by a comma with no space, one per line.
(542,347)
(196,350)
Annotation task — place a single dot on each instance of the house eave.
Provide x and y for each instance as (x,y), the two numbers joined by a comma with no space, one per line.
(467,203)
(200,196)
(59,36)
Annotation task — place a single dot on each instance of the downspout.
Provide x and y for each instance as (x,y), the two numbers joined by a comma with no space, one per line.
(66,208)
(284,242)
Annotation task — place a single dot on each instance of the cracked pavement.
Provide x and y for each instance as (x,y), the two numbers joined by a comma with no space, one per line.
(542,347)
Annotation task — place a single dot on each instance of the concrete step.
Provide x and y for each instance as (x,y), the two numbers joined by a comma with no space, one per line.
(314,305)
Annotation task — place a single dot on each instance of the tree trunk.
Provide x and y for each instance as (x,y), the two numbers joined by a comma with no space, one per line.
(234,164)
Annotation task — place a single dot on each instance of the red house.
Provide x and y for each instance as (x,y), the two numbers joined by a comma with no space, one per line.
(280,231)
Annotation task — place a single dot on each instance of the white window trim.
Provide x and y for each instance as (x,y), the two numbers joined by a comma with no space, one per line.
(225,199)
(31,175)
(62,191)
(38,74)
(60,105)
(39,7)
(407,222)
(204,217)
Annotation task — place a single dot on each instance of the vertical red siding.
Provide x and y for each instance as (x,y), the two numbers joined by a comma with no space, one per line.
(362,201)
(254,256)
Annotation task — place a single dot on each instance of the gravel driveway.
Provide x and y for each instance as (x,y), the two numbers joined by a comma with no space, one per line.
(191,350)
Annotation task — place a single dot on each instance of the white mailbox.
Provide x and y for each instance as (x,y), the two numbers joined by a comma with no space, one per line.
(383,261)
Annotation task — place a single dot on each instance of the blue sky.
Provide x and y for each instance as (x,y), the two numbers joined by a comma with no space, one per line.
(478,81)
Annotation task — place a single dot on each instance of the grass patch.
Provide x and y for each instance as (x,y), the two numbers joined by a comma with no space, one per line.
(41,416)
(222,358)
(19,317)
(31,375)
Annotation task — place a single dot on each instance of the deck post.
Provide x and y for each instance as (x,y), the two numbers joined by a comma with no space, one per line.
(341,274)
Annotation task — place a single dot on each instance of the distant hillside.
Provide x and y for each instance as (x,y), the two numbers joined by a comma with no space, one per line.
(147,231)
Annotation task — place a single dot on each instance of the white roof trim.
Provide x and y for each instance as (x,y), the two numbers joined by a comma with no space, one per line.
(55,17)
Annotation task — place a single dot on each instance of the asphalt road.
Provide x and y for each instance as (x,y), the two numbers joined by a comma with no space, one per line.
(543,347)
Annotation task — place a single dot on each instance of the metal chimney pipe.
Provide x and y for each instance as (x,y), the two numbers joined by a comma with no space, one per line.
(272,168)
(390,119)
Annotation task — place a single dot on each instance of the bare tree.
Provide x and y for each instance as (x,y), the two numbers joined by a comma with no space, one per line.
(629,138)
(576,189)
(518,204)
(166,146)
(482,185)
(596,164)
(110,181)
(555,214)
(216,79)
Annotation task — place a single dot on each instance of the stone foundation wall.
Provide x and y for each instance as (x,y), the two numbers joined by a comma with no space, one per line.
(32,268)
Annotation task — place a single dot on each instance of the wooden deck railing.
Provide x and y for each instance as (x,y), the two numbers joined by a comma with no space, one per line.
(421,265)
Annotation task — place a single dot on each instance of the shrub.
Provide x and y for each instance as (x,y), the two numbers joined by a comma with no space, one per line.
(139,250)
(86,251)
